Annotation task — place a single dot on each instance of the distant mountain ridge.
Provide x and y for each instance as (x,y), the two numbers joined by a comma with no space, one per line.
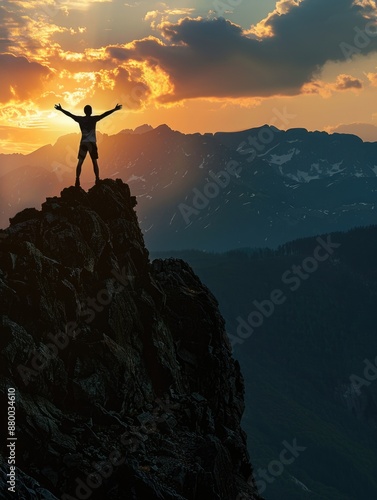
(258,187)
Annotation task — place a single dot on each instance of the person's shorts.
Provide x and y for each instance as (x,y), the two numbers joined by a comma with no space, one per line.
(88,147)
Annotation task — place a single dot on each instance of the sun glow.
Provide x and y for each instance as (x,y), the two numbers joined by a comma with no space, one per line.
(169,63)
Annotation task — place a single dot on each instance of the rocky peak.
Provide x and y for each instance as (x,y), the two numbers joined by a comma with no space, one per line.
(125,383)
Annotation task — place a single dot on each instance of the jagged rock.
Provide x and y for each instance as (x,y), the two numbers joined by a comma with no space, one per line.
(125,383)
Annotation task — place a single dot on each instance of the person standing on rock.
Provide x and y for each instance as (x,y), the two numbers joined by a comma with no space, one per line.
(88,141)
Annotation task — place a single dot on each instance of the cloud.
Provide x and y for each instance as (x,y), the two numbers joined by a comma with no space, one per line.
(158,17)
(348,82)
(265,27)
(20,79)
(372,77)
(366,131)
(38,63)
(123,84)
(4,31)
(216,58)
(28,29)
(326,89)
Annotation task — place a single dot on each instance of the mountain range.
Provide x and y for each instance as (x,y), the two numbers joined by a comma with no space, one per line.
(253,188)
(226,194)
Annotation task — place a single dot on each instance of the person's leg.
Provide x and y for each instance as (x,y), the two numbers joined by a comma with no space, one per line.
(81,157)
(96,168)
(94,156)
(78,171)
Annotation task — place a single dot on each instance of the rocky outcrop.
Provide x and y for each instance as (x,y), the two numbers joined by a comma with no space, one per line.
(125,384)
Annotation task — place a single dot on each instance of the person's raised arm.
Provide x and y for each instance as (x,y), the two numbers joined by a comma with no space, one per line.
(59,108)
(107,113)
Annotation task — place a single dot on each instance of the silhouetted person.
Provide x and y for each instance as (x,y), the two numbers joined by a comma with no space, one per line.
(88,141)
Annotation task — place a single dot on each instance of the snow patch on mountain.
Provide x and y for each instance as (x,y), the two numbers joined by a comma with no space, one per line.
(281,159)
(300,484)
(266,153)
(336,169)
(135,178)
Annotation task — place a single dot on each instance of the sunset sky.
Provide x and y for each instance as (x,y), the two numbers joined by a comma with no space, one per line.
(196,65)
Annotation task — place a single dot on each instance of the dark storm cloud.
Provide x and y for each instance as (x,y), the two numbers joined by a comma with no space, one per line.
(216,58)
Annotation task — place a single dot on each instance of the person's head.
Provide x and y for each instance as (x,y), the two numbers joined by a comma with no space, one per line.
(88,110)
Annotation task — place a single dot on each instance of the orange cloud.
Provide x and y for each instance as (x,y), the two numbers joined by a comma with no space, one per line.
(158,17)
(265,28)
(372,77)
(348,82)
(343,82)
(20,78)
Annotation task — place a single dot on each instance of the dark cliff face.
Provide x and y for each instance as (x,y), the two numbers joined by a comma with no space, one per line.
(125,384)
